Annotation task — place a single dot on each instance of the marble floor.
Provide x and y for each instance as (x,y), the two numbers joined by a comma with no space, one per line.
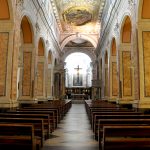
(73,132)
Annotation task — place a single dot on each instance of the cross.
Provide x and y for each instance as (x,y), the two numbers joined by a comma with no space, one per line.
(78,69)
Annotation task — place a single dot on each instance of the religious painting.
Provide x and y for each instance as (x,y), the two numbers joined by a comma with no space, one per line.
(77,80)
(77,77)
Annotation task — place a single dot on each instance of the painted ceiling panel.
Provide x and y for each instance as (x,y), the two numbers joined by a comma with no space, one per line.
(78,15)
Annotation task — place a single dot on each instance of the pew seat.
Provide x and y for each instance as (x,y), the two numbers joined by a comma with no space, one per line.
(18,136)
(126,138)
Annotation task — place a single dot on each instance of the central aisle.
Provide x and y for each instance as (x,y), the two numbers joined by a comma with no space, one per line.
(73,132)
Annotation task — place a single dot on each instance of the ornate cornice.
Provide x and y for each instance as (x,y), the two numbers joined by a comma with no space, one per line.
(56,14)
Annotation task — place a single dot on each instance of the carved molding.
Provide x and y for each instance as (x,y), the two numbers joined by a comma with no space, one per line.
(131,2)
(116,28)
(19,4)
(38,29)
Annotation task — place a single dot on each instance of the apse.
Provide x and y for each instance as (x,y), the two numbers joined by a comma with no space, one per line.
(78,70)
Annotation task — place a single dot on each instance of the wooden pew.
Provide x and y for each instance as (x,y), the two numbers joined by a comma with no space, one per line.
(99,105)
(17,136)
(97,115)
(121,122)
(34,112)
(32,116)
(38,126)
(59,106)
(126,138)
(53,113)
(102,110)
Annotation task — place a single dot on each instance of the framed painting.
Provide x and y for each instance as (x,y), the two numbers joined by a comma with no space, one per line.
(77,80)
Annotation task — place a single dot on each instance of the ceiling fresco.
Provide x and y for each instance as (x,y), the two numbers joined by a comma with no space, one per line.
(78,15)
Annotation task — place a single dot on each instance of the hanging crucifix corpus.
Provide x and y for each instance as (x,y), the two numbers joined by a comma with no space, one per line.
(78,74)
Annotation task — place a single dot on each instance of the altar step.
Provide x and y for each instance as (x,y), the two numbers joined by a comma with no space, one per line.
(75,101)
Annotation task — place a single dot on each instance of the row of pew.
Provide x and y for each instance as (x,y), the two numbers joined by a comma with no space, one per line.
(27,127)
(117,127)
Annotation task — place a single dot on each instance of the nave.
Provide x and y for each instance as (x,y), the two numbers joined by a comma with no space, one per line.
(73,132)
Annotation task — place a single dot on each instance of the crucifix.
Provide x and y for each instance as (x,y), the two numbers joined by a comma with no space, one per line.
(78,69)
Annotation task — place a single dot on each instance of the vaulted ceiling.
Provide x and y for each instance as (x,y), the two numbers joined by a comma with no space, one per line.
(78,15)
(78,21)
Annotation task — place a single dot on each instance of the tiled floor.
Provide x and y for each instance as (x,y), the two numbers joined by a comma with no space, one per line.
(73,133)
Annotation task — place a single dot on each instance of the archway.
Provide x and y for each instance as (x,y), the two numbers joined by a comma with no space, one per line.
(78,75)
(41,69)
(4,47)
(4,10)
(144,51)
(145,9)
(125,59)
(74,37)
(25,68)
(49,82)
(113,71)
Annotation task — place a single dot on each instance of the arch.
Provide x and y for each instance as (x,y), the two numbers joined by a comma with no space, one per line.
(26,30)
(78,67)
(4,10)
(41,47)
(49,57)
(146,9)
(26,56)
(113,83)
(113,47)
(86,51)
(126,30)
(70,38)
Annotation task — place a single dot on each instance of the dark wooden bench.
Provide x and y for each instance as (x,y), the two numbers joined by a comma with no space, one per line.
(39,131)
(121,122)
(17,136)
(58,111)
(96,111)
(45,118)
(98,115)
(54,114)
(100,105)
(49,127)
(116,116)
(126,138)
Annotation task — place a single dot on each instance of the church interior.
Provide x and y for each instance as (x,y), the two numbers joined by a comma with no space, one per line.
(74,74)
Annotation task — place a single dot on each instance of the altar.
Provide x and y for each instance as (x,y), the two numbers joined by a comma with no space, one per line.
(79,93)
(78,96)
